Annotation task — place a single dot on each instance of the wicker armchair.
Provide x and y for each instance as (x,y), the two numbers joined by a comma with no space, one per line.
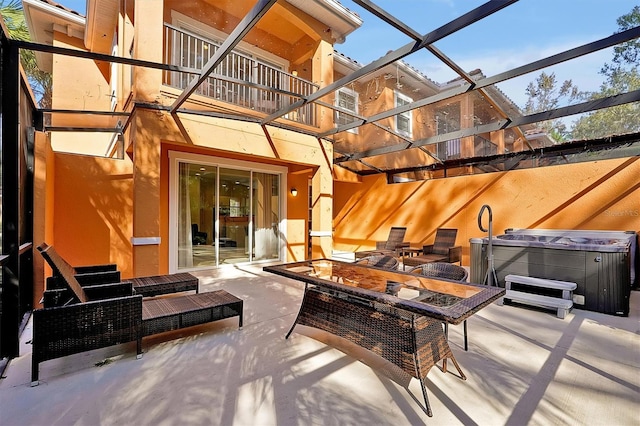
(449,272)
(389,247)
(81,317)
(380,261)
(442,250)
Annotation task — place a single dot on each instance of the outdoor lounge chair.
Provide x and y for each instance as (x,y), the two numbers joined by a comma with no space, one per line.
(109,274)
(449,272)
(443,249)
(389,247)
(97,316)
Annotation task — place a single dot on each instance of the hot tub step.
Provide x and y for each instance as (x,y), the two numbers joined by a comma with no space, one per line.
(562,305)
(565,286)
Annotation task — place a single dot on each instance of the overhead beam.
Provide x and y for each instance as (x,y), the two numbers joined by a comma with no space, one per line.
(562,150)
(507,75)
(378,125)
(247,23)
(38,47)
(610,101)
(463,21)
(402,27)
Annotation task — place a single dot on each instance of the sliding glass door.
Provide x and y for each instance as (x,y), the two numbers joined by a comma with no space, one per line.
(225,212)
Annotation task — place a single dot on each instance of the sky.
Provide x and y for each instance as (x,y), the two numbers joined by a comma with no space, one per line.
(518,34)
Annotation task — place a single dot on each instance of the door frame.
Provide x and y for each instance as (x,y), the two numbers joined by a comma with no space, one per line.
(176,157)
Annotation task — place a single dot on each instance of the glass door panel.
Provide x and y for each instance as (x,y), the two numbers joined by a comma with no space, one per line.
(234,215)
(266,213)
(196,207)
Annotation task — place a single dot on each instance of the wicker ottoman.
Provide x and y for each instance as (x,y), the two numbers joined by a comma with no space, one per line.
(174,313)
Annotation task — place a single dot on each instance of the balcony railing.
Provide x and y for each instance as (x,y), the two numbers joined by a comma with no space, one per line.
(483,147)
(449,150)
(239,79)
(452,149)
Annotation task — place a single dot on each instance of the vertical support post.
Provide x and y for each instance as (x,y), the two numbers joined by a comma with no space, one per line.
(9,113)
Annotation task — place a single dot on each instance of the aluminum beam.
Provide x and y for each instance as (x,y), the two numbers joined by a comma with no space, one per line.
(463,21)
(378,125)
(402,27)
(11,206)
(247,23)
(610,101)
(507,75)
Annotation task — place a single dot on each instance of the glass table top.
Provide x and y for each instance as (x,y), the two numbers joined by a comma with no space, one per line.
(436,292)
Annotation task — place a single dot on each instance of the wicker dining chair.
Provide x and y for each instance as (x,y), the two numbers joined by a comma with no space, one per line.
(380,261)
(449,272)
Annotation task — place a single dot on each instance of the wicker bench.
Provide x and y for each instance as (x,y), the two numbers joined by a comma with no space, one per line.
(174,313)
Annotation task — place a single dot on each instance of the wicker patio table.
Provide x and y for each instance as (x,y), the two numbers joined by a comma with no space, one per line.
(394,314)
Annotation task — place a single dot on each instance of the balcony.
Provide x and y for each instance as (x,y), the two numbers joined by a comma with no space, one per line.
(240,79)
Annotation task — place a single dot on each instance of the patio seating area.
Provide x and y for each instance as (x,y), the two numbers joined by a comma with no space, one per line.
(389,247)
(443,249)
(524,366)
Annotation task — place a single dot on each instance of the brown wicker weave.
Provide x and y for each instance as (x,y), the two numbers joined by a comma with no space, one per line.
(78,319)
(447,271)
(379,261)
(389,247)
(412,342)
(442,250)
(165,284)
(174,313)
(441,270)
(105,274)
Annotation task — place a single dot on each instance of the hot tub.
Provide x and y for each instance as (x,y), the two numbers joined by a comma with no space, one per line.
(601,263)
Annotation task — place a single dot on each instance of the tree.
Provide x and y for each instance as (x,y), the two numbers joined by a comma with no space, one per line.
(622,75)
(543,95)
(617,120)
(40,81)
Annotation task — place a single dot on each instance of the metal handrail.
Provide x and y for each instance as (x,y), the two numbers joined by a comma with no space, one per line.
(490,278)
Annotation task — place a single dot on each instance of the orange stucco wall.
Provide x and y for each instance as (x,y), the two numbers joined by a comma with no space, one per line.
(600,195)
(93,210)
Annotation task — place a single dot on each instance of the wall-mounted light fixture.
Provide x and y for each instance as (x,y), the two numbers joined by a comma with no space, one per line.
(294,192)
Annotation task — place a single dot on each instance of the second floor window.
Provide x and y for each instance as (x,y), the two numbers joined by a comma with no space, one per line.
(403,120)
(346,99)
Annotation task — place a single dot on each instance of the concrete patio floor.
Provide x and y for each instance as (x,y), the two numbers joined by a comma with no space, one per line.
(524,366)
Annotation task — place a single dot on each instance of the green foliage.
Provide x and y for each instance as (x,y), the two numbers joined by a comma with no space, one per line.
(545,95)
(616,120)
(628,52)
(40,81)
(621,76)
